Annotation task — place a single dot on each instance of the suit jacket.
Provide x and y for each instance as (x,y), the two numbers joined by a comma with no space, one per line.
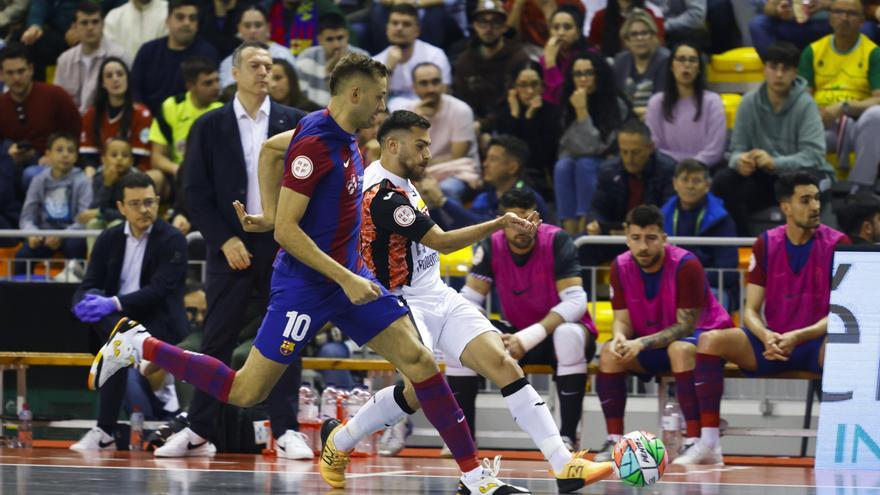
(215,176)
(159,302)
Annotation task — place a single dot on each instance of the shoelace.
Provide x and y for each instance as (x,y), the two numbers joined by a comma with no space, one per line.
(492,469)
(338,460)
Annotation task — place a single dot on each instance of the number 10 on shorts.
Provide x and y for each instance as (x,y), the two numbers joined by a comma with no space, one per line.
(297,326)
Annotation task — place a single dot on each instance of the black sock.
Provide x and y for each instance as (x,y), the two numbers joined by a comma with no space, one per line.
(571,390)
(465,388)
(110,398)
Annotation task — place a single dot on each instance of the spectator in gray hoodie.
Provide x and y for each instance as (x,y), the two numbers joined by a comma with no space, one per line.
(684,20)
(55,197)
(778,129)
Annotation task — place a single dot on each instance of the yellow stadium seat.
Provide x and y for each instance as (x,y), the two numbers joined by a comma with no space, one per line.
(735,71)
(731,104)
(456,264)
(745,256)
(602,317)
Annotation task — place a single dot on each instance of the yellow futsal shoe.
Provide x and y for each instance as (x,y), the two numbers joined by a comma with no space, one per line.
(333,462)
(579,472)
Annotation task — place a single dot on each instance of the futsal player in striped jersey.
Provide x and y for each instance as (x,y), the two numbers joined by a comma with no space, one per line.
(789,279)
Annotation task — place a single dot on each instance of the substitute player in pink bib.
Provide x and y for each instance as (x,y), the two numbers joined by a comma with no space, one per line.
(661,302)
(790,279)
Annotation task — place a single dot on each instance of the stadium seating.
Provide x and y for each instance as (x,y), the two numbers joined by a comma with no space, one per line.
(735,71)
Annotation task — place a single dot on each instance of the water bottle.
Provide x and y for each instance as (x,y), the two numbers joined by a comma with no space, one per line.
(136,439)
(307,415)
(329,398)
(353,403)
(671,425)
(25,428)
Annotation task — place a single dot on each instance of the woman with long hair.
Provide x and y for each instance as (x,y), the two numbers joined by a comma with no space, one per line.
(565,44)
(594,110)
(686,120)
(527,115)
(606,24)
(284,87)
(115,114)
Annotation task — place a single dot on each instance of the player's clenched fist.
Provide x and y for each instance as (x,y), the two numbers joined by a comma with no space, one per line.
(360,290)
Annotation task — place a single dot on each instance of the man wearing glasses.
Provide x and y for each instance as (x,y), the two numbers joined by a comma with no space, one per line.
(843,73)
(140,272)
(481,69)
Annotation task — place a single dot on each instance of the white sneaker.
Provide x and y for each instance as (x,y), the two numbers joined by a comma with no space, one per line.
(117,353)
(488,482)
(393,439)
(699,453)
(96,440)
(294,445)
(186,443)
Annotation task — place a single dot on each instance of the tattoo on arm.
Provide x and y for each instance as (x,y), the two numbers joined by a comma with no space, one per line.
(687,319)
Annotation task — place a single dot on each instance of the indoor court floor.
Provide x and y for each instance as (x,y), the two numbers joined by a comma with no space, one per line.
(57,471)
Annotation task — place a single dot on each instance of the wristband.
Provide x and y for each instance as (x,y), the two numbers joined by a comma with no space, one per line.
(531,336)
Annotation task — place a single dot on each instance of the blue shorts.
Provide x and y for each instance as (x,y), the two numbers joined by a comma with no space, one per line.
(297,312)
(656,361)
(805,357)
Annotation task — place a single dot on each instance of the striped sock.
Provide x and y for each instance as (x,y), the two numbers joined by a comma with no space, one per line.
(443,412)
(611,388)
(207,373)
(687,400)
(709,377)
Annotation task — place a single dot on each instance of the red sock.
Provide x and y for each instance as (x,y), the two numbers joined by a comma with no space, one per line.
(443,412)
(207,373)
(709,377)
(611,388)
(687,400)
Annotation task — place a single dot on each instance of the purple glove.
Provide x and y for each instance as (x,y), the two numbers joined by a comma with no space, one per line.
(94,307)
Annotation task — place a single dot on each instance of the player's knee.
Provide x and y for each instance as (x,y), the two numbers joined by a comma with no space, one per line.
(708,342)
(248,396)
(606,358)
(681,350)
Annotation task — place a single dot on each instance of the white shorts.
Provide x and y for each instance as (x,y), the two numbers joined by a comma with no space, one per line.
(446,321)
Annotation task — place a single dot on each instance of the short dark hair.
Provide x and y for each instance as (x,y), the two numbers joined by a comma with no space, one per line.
(519,198)
(782,52)
(786,183)
(690,166)
(852,215)
(644,216)
(425,64)
(193,286)
(195,66)
(355,64)
(135,180)
(514,147)
(330,20)
(250,7)
(636,126)
(236,54)
(87,7)
(404,9)
(55,136)
(401,120)
(176,4)
(15,50)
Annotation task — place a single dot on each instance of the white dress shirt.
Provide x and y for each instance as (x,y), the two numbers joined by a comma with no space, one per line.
(132,262)
(253,133)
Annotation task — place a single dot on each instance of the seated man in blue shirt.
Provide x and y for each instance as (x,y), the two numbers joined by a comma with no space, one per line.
(503,168)
(695,212)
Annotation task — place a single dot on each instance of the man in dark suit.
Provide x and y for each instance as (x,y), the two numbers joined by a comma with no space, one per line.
(138,270)
(220,167)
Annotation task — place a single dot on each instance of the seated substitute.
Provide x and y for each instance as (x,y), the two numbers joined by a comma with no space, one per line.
(790,280)
(538,280)
(661,303)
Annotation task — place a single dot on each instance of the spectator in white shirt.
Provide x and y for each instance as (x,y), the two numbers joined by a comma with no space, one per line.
(77,70)
(407,51)
(136,22)
(253,26)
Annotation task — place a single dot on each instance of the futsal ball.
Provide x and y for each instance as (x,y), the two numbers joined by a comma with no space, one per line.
(639,458)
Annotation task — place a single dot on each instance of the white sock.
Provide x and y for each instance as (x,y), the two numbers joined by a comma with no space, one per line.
(137,340)
(381,411)
(691,440)
(710,437)
(531,414)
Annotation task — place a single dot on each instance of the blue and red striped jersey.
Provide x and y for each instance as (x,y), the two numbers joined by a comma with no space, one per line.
(323,162)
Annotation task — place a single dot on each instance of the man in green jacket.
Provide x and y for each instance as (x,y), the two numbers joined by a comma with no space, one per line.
(778,129)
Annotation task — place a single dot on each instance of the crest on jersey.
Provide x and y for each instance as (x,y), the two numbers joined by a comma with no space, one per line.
(287,347)
(404,215)
(302,167)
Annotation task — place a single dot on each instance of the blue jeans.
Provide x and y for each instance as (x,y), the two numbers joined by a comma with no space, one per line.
(454,188)
(341,378)
(575,181)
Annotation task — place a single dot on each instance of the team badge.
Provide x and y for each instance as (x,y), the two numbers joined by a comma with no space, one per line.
(404,216)
(287,347)
(301,167)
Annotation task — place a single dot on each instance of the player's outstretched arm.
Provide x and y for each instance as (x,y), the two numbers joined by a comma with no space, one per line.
(270,171)
(452,241)
(291,207)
